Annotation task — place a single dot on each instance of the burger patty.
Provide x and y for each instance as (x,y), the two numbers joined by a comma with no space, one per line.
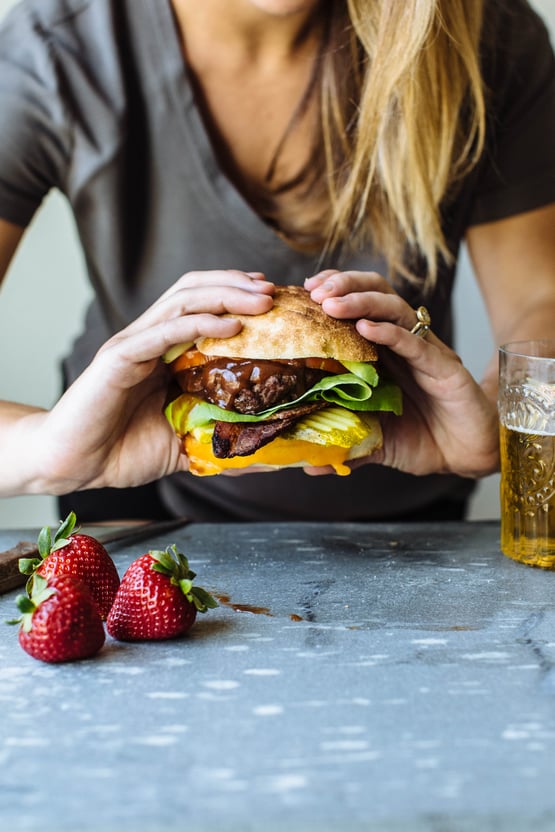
(248,386)
(243,438)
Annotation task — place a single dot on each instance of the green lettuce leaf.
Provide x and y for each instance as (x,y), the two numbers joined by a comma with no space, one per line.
(358,390)
(367,372)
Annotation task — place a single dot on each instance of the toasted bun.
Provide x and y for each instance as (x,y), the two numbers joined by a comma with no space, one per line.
(295,327)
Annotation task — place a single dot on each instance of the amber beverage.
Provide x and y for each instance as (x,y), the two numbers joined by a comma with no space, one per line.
(527,436)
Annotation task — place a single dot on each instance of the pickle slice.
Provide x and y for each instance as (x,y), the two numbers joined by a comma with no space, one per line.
(333,426)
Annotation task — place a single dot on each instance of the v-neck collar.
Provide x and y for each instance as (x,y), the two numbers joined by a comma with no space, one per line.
(223,197)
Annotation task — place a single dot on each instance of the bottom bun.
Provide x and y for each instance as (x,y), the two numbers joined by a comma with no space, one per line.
(284,453)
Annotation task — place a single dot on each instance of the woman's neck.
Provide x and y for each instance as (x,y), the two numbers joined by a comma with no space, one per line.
(238,32)
(253,74)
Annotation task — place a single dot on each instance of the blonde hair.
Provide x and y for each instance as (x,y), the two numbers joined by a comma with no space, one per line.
(403,120)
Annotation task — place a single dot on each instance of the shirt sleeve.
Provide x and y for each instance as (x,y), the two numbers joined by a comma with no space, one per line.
(34,130)
(517,172)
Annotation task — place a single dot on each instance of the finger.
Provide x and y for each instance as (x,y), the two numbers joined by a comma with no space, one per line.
(217,300)
(240,472)
(126,351)
(213,299)
(317,280)
(339,284)
(249,281)
(375,306)
(427,355)
(318,470)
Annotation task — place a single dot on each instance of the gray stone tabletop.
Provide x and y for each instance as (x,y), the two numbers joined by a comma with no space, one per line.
(398,678)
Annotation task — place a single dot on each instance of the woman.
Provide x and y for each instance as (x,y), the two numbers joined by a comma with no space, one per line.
(352,146)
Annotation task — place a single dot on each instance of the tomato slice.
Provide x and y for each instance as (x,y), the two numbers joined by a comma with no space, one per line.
(189,358)
(329,365)
(194,358)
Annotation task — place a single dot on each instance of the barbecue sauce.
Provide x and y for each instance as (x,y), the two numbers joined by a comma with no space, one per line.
(246,385)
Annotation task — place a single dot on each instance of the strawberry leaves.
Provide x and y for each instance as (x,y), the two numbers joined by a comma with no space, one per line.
(175,566)
(61,538)
(29,604)
(45,544)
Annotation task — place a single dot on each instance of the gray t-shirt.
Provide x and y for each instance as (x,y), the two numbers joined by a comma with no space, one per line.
(95,100)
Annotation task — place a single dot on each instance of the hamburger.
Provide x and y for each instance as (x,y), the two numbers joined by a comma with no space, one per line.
(293,388)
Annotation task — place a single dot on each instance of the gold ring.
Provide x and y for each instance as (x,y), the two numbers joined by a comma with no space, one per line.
(423,322)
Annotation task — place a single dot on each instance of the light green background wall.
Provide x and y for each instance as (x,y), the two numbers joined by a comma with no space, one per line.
(42,303)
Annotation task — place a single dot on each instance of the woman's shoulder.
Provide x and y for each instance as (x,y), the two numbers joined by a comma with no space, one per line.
(516,173)
(45,16)
(41,32)
(62,94)
(513,32)
(72,50)
(518,60)
(77,31)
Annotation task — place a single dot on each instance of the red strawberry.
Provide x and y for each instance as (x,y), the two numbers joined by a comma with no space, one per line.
(60,621)
(79,555)
(156,598)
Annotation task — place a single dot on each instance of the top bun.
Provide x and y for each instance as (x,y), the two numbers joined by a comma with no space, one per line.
(295,327)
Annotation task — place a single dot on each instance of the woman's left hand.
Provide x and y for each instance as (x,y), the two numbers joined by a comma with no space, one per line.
(448,424)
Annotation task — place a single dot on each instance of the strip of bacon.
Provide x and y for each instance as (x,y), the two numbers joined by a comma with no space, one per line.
(243,438)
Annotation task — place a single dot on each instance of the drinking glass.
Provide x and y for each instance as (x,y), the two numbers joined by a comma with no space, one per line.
(527,437)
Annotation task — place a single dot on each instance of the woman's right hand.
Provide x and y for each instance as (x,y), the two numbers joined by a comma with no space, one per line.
(449,423)
(109,429)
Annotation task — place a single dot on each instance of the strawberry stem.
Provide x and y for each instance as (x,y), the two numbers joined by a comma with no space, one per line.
(46,545)
(174,565)
(28,605)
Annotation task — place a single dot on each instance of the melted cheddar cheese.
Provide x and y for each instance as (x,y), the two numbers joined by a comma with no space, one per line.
(278,452)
